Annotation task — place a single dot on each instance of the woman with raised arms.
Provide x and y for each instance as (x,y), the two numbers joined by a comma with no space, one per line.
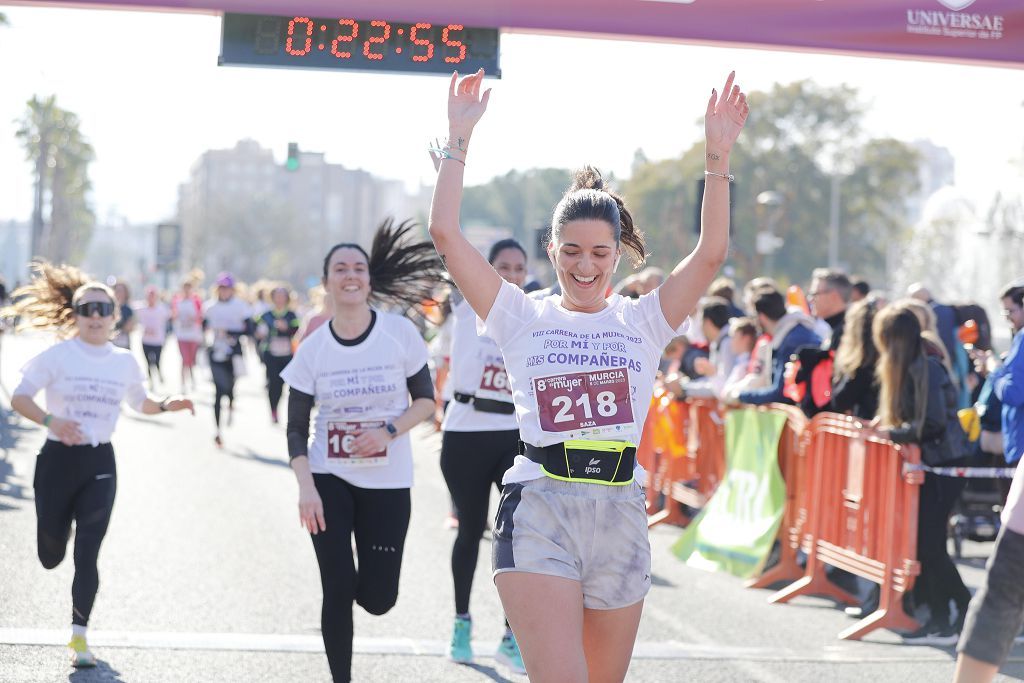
(571,558)
(367,372)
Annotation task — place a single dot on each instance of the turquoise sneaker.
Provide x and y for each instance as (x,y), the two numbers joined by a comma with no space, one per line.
(508,655)
(461,650)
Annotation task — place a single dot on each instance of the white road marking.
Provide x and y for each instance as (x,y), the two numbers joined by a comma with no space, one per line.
(273,642)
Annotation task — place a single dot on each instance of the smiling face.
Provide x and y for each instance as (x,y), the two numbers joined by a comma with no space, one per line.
(94,329)
(585,256)
(511,265)
(348,277)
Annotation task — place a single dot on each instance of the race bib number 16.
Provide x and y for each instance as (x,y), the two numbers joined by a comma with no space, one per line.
(580,400)
(340,438)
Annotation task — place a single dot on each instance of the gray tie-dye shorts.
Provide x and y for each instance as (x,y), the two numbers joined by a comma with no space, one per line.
(590,533)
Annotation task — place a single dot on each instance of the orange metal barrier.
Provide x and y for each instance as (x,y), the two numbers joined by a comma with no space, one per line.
(793,466)
(689,462)
(863,518)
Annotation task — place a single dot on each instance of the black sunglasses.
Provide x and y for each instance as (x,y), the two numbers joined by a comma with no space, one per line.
(90,308)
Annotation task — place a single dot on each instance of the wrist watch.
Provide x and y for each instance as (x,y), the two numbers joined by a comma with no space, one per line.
(392,430)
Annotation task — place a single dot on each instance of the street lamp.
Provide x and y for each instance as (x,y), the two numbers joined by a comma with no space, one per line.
(771,205)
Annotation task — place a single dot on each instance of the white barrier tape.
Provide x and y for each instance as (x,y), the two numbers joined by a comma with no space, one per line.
(964,472)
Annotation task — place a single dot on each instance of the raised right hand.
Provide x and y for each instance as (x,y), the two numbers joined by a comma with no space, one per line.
(465,104)
(311,510)
(68,431)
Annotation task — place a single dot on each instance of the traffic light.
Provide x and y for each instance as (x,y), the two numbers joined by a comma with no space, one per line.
(292,164)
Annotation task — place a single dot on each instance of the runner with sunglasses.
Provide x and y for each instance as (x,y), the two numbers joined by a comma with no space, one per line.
(85,379)
(571,556)
(367,372)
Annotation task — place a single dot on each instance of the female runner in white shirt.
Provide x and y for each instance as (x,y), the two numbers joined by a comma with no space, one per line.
(480,441)
(366,370)
(571,555)
(85,379)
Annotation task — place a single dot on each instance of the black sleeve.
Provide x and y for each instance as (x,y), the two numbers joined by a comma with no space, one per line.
(300,407)
(933,425)
(420,386)
(849,392)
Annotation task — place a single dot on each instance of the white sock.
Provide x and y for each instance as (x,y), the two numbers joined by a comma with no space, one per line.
(77,630)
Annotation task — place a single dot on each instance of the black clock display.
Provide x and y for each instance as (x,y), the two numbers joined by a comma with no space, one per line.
(357,44)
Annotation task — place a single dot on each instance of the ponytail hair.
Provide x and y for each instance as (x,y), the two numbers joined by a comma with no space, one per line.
(402,272)
(48,301)
(588,199)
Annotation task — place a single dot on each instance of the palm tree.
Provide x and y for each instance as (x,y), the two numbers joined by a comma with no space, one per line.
(54,143)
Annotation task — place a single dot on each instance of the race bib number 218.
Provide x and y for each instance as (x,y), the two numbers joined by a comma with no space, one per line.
(580,400)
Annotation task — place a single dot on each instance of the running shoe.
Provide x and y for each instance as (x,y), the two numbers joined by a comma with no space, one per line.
(461,650)
(508,655)
(81,657)
(218,441)
(932,633)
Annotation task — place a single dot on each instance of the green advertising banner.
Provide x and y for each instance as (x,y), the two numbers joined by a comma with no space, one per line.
(735,530)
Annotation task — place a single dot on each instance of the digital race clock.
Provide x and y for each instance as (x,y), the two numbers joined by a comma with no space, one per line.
(357,44)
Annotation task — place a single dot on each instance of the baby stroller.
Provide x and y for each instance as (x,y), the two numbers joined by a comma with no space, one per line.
(976,514)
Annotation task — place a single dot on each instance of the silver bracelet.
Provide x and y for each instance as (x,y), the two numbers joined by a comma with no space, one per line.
(727,176)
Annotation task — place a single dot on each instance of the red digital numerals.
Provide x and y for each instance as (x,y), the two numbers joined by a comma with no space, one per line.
(367,49)
(447,40)
(353,27)
(289,45)
(299,40)
(421,41)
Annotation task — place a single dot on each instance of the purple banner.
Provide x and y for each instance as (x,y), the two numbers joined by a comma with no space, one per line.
(983,31)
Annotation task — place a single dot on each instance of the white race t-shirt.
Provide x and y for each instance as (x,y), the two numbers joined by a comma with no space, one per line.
(222,317)
(477,368)
(359,387)
(154,323)
(230,315)
(188,319)
(578,375)
(85,383)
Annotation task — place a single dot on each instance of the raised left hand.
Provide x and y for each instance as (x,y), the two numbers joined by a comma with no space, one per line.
(725,116)
(370,442)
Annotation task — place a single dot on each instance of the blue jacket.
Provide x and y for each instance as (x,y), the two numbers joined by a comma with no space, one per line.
(1008,383)
(794,330)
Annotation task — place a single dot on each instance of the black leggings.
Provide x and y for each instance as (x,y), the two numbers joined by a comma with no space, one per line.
(152,353)
(223,372)
(471,463)
(940,580)
(380,519)
(275,385)
(74,483)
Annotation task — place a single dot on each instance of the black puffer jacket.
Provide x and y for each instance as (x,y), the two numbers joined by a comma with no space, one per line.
(936,427)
